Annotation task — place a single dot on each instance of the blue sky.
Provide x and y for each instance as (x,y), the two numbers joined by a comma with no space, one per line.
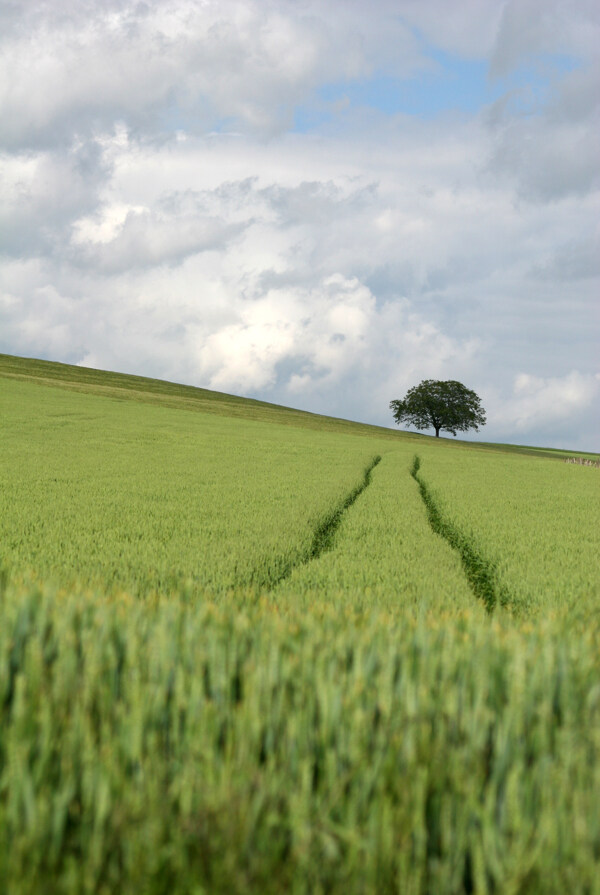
(315,204)
(450,84)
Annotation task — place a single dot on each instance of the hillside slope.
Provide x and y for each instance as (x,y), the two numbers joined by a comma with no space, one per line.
(182,397)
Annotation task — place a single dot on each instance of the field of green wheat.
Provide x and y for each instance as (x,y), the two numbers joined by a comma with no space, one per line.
(245,649)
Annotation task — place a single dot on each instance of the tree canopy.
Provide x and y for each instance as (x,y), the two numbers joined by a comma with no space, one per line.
(440,405)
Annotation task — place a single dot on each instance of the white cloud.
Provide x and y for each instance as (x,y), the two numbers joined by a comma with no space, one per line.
(548,143)
(528,28)
(537,402)
(556,152)
(148,238)
(197,61)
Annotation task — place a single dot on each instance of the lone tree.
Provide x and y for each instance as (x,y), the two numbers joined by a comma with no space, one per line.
(442,405)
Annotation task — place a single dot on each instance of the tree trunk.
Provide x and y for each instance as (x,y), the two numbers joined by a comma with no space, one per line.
(437,431)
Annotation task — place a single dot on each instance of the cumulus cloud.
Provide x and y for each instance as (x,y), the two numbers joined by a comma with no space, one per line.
(550,155)
(323,329)
(41,194)
(190,62)
(539,404)
(331,332)
(147,237)
(548,141)
(528,28)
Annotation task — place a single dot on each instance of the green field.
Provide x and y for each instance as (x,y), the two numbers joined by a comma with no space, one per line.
(247,649)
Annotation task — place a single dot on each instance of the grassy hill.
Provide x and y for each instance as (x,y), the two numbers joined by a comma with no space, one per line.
(186,397)
(170,394)
(245,649)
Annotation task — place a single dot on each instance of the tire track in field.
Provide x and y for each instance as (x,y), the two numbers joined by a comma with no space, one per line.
(322,539)
(480,572)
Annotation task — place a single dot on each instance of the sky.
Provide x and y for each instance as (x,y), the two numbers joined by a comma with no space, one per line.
(318,203)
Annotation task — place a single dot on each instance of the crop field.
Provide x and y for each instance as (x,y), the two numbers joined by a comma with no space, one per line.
(525,516)
(245,649)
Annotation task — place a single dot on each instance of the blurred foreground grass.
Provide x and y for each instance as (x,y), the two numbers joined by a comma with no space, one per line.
(237,747)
